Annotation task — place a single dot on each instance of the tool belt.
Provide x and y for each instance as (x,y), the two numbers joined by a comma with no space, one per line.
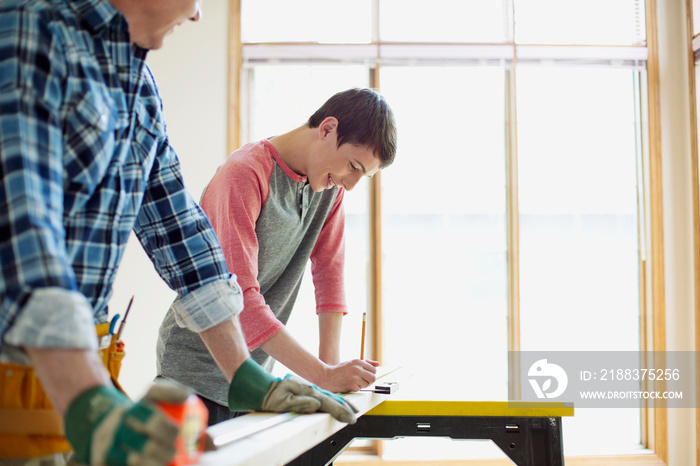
(29,426)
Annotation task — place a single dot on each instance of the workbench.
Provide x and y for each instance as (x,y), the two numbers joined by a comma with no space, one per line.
(530,434)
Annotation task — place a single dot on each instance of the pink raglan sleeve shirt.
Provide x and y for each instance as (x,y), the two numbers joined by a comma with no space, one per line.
(233,201)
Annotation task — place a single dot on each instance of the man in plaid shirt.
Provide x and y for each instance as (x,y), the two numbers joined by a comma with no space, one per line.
(84,160)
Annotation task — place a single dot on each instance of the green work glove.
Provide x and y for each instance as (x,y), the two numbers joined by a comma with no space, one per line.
(106,428)
(253,389)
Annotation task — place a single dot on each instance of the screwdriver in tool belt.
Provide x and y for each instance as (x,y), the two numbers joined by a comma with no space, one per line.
(117,337)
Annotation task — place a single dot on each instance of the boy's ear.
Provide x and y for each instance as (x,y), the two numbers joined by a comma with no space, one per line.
(327,126)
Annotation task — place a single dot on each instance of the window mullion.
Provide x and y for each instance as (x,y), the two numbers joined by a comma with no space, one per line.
(234,70)
(656,309)
(512,241)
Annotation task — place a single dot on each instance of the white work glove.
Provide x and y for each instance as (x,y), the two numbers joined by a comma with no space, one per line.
(253,389)
(106,428)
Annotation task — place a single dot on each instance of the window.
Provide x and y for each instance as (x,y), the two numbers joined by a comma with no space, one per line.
(518,193)
(593,22)
(443,21)
(579,255)
(314,21)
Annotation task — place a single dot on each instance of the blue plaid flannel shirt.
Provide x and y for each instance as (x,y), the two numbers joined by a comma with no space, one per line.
(84,160)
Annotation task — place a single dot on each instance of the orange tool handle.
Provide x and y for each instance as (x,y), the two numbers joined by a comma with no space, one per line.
(191,417)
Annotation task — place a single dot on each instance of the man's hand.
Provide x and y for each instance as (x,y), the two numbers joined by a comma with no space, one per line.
(254,389)
(106,428)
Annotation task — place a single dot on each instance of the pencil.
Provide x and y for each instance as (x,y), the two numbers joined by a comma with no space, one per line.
(362,344)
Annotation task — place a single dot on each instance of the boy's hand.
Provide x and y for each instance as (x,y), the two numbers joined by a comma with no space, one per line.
(254,389)
(349,376)
(106,428)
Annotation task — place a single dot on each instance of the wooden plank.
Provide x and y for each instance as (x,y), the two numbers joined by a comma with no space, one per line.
(283,437)
(284,441)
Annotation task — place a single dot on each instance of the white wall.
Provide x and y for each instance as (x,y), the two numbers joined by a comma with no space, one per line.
(192,73)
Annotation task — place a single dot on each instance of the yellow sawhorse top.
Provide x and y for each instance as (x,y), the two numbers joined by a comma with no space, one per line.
(471,408)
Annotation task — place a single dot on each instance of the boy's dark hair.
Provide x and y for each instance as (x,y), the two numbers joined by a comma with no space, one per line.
(364,119)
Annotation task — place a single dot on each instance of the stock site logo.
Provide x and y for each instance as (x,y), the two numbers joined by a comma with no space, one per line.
(541,375)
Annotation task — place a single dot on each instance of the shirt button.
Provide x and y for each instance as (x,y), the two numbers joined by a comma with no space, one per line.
(159,126)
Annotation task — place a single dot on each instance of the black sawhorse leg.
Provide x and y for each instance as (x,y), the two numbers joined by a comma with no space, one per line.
(527,441)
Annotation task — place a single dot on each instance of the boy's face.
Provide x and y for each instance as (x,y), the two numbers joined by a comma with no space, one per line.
(330,165)
(341,166)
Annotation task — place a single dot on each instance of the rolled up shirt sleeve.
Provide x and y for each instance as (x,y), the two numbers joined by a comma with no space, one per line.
(54,318)
(209,305)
